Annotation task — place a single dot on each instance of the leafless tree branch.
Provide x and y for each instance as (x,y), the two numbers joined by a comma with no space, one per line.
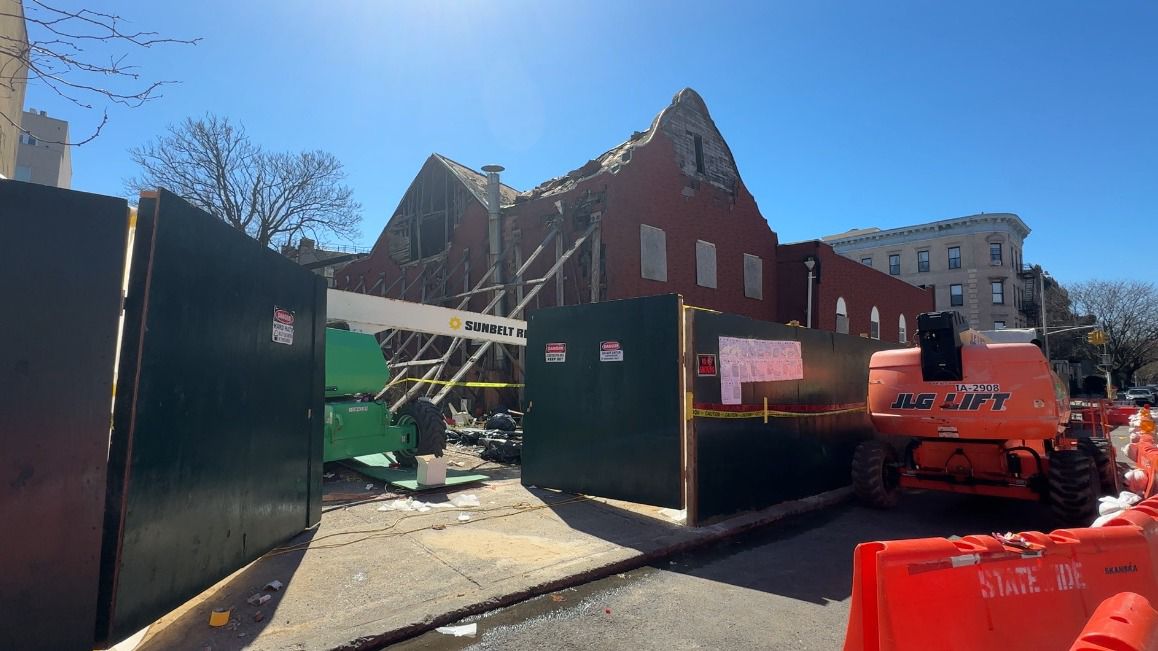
(57,54)
(1128,311)
(272,197)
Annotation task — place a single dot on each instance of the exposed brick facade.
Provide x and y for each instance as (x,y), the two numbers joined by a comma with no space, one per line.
(678,176)
(861,287)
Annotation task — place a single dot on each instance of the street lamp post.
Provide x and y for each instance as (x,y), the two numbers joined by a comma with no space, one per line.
(809,263)
(1044,330)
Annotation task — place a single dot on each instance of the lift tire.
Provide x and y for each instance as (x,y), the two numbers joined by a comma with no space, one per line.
(875,477)
(1099,451)
(431,430)
(1074,485)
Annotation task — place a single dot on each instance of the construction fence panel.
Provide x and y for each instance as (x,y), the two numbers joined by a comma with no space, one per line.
(216,449)
(773,424)
(63,272)
(604,401)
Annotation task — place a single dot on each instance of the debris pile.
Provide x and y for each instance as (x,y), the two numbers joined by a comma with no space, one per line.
(498,445)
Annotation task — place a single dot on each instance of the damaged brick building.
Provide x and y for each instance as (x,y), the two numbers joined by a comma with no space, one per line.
(664,212)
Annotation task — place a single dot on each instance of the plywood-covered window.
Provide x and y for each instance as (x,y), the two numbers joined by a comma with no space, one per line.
(705,264)
(753,277)
(652,253)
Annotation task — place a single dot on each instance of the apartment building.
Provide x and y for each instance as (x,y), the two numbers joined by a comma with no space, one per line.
(44,155)
(971,264)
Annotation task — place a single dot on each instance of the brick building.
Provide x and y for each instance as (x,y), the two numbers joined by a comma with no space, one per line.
(664,212)
(847,297)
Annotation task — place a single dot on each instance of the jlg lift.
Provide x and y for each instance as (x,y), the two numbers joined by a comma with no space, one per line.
(964,415)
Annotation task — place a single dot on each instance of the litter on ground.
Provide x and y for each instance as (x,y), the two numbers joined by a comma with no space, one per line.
(464,501)
(459,631)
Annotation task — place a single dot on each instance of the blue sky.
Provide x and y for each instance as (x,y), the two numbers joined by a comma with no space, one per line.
(840,114)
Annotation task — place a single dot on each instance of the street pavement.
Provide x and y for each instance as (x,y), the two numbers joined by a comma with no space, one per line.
(786,586)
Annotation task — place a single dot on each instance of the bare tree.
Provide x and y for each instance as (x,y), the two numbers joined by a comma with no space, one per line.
(80,55)
(1128,311)
(272,197)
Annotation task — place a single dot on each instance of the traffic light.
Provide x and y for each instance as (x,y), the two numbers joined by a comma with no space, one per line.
(1096,337)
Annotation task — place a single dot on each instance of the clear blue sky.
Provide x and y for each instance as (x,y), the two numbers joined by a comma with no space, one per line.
(840,114)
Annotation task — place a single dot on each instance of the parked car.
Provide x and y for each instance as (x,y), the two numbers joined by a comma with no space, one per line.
(1140,395)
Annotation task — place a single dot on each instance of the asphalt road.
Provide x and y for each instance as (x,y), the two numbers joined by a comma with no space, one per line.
(784,587)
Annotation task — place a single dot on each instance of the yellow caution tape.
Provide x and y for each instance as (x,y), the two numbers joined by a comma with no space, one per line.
(713,413)
(488,385)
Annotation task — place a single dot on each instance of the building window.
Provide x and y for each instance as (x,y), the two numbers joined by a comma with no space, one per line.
(23,173)
(867,261)
(902,330)
(705,264)
(875,323)
(698,141)
(954,257)
(895,264)
(956,295)
(995,254)
(28,139)
(841,316)
(923,260)
(652,253)
(998,287)
(753,277)
(998,325)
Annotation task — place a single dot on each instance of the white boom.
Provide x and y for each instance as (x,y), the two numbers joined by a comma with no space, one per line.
(373,314)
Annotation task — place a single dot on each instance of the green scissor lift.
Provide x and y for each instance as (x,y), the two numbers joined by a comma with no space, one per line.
(357,423)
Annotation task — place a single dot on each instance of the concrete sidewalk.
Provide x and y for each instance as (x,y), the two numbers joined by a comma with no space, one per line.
(366,578)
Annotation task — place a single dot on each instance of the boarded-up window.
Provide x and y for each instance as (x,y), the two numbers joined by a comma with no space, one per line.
(841,316)
(753,277)
(652,253)
(705,264)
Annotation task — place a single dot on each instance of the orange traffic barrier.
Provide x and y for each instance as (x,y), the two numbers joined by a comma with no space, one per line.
(1029,591)
(1124,622)
(1143,451)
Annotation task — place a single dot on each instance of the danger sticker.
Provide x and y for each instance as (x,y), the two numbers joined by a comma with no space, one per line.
(706,365)
(556,352)
(610,351)
(283,326)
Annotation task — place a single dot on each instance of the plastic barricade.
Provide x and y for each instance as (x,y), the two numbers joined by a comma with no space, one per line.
(1124,622)
(1033,591)
(1119,415)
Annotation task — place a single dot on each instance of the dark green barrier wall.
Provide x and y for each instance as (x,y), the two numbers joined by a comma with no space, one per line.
(744,464)
(61,273)
(607,428)
(216,452)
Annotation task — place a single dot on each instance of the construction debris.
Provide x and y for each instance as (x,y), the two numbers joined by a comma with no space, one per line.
(258,599)
(500,446)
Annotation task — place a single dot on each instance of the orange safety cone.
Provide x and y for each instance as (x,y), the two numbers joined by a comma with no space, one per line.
(1124,622)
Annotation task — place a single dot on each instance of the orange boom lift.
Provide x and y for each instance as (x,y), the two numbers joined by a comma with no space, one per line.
(959,413)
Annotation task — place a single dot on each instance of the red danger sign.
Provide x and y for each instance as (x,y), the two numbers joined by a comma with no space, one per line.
(706,365)
(609,345)
(283,326)
(556,353)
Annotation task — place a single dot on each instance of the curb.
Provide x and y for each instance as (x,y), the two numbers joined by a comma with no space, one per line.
(711,534)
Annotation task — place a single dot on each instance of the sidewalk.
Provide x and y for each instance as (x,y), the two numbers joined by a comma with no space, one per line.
(371,577)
